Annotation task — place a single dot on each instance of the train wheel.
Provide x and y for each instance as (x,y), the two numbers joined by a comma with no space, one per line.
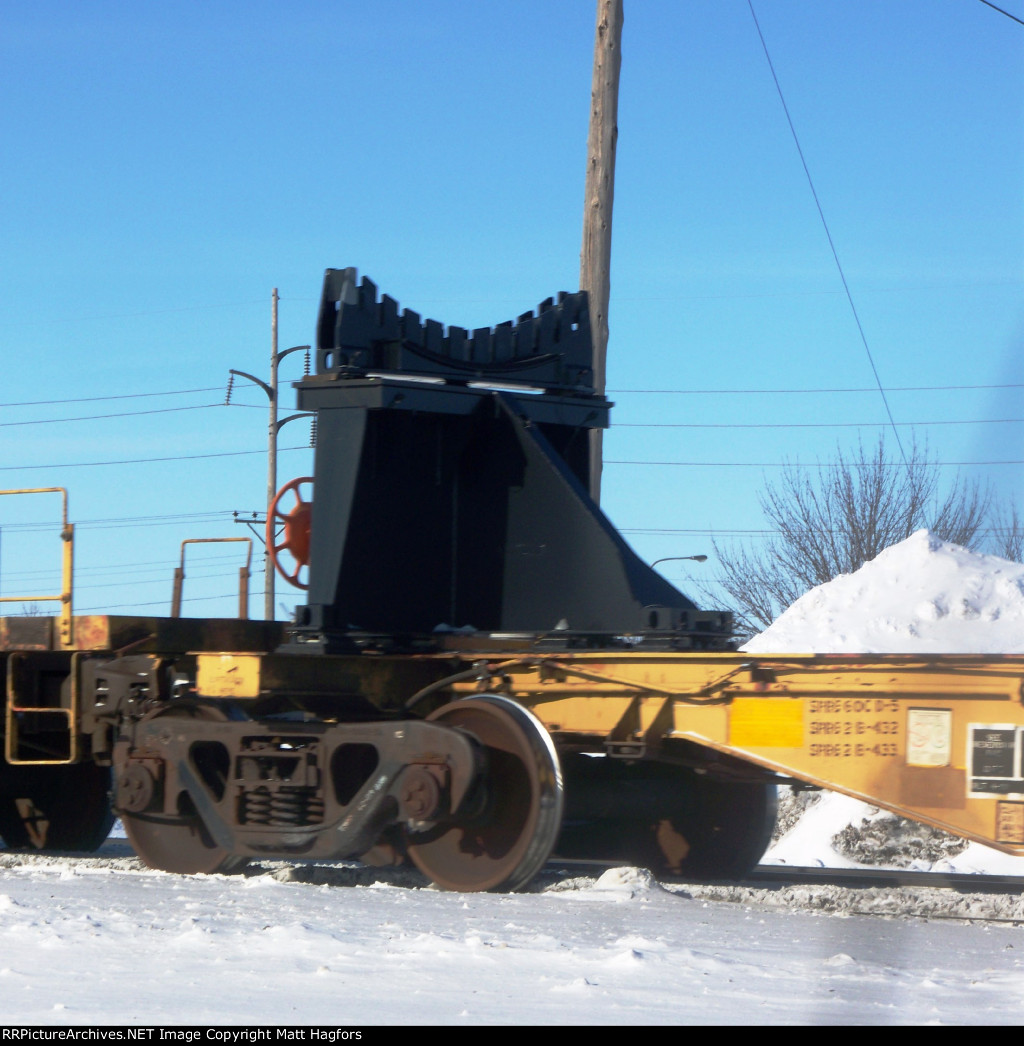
(721,832)
(55,807)
(178,844)
(514,822)
(669,819)
(181,843)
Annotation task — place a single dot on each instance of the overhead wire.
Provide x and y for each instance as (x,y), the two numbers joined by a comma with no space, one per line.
(104,417)
(618,424)
(115,396)
(1013,18)
(734,531)
(183,517)
(608,461)
(144,461)
(121,568)
(160,602)
(674,392)
(814,392)
(192,575)
(799,465)
(828,234)
(804,424)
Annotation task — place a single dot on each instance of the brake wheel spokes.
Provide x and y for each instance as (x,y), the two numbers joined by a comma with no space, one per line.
(297,523)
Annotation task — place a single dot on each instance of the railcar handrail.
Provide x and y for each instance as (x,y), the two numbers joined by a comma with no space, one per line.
(244,574)
(67,534)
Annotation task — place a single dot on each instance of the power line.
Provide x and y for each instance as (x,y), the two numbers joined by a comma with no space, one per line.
(828,234)
(157,603)
(121,568)
(102,417)
(142,461)
(192,575)
(804,424)
(689,464)
(670,392)
(1013,18)
(172,517)
(163,579)
(798,465)
(119,396)
(656,531)
(814,392)
(618,424)
(732,531)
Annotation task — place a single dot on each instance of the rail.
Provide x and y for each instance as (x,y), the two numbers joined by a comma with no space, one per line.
(244,573)
(65,622)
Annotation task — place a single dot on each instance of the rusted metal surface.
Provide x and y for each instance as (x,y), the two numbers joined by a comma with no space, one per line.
(502,843)
(26,633)
(228,675)
(243,575)
(42,719)
(284,788)
(124,633)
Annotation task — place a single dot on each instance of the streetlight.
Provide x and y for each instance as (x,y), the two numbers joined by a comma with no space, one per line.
(671,559)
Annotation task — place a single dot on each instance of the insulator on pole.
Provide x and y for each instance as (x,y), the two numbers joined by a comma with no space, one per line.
(227,395)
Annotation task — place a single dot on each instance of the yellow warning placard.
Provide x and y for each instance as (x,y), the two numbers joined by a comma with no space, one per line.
(766,722)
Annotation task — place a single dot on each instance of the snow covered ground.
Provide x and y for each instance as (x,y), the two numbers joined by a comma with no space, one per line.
(104,940)
(85,941)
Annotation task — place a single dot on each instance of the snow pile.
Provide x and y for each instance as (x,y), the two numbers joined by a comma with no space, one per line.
(922,596)
(840,832)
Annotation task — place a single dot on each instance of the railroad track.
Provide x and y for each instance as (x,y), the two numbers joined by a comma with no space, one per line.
(877,892)
(118,851)
(888,893)
(884,878)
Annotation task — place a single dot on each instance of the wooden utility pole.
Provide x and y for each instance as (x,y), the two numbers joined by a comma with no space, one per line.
(273,428)
(595,257)
(268,566)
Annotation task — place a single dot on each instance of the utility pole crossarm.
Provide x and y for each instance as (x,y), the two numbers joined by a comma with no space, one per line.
(256,381)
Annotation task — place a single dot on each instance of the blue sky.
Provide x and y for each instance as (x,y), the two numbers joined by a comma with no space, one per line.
(165,165)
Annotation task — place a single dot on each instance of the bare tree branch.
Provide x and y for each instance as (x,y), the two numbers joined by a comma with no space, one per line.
(1008,533)
(834,520)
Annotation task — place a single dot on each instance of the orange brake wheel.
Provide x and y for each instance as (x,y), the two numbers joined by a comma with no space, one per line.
(297,525)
